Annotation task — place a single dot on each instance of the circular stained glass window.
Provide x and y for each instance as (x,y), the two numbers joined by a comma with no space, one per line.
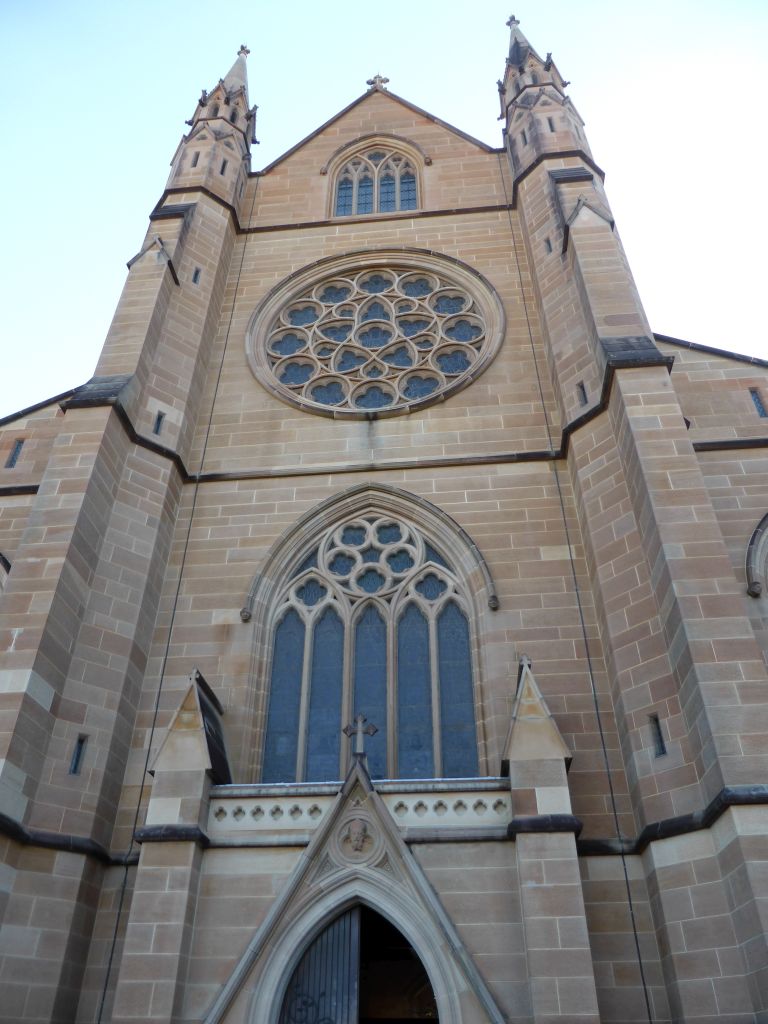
(362,338)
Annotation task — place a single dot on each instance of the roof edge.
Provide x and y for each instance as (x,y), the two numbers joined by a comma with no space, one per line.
(350,106)
(28,410)
(740,357)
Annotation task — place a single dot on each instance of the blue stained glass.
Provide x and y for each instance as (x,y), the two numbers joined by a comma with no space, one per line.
(311,593)
(329,394)
(371,555)
(400,561)
(398,357)
(281,742)
(432,556)
(365,195)
(453,362)
(424,343)
(349,361)
(344,198)
(324,352)
(457,714)
(370,685)
(331,293)
(431,587)
(324,729)
(288,344)
(376,311)
(406,307)
(411,327)
(375,283)
(341,565)
(407,191)
(310,562)
(389,533)
(296,373)
(463,330)
(336,332)
(376,157)
(449,304)
(417,288)
(353,535)
(303,316)
(347,311)
(387,197)
(373,398)
(374,337)
(373,372)
(415,757)
(420,387)
(370,581)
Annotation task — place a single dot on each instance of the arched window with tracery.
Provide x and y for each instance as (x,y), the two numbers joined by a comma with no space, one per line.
(376,180)
(371,619)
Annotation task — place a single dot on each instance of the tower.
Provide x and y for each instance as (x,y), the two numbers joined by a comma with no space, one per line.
(389,606)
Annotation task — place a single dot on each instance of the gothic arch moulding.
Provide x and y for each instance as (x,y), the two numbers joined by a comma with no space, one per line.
(373,570)
(378,173)
(377,332)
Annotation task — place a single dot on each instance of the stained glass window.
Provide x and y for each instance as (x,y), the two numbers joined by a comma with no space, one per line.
(372,620)
(375,182)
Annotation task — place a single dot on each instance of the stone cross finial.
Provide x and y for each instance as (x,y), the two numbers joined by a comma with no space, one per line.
(512,21)
(377,82)
(360,730)
(243,51)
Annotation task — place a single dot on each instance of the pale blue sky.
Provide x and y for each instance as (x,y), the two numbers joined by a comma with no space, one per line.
(96,95)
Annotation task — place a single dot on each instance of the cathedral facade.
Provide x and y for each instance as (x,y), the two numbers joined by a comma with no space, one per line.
(383,626)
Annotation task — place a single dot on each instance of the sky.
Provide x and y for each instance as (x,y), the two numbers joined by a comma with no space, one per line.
(96,95)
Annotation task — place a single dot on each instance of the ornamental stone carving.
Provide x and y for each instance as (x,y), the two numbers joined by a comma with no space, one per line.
(375,334)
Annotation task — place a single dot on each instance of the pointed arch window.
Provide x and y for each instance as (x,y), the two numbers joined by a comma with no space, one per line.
(372,619)
(376,181)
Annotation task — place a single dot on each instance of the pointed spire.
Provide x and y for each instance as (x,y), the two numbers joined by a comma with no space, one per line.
(237,76)
(519,47)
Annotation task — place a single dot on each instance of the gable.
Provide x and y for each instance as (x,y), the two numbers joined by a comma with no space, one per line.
(297,186)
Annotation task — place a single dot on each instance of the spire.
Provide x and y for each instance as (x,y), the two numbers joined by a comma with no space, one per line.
(519,47)
(237,76)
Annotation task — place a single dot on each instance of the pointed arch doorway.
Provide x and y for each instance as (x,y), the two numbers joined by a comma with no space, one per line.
(359,970)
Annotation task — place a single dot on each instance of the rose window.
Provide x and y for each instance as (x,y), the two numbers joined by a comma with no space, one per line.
(376,341)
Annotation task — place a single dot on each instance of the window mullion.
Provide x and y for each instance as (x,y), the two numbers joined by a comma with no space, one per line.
(301,746)
(348,709)
(434,668)
(392,731)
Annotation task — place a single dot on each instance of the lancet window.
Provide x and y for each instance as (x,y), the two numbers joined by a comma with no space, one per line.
(376,181)
(373,620)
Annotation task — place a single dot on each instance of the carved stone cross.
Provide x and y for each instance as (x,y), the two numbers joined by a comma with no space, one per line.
(243,51)
(377,82)
(360,730)
(512,21)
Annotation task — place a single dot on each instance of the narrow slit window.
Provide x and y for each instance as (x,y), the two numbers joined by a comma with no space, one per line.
(158,424)
(659,746)
(215,111)
(195,158)
(548,245)
(196,274)
(759,404)
(76,764)
(233,117)
(524,137)
(223,166)
(582,392)
(15,452)
(551,123)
